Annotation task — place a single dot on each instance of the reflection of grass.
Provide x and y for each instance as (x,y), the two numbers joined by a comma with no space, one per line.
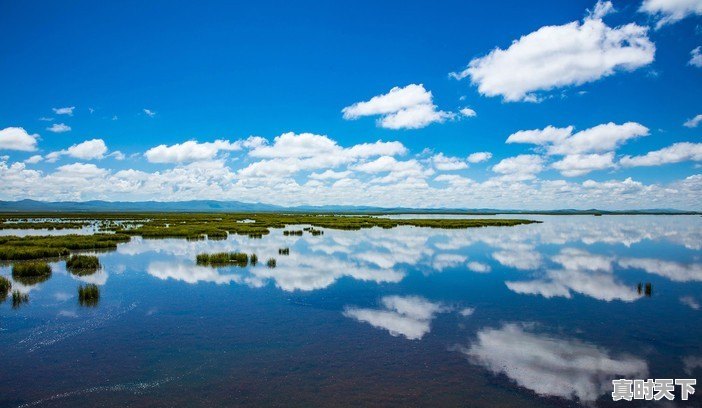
(253,259)
(271,263)
(198,226)
(18,298)
(88,295)
(222,259)
(283,251)
(5,286)
(82,264)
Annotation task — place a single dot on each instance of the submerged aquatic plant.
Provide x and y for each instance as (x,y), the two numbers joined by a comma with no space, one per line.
(222,259)
(88,295)
(82,264)
(18,298)
(271,263)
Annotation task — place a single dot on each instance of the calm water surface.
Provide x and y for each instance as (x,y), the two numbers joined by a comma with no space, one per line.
(535,315)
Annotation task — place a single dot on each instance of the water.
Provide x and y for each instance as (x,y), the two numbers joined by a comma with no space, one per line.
(534,315)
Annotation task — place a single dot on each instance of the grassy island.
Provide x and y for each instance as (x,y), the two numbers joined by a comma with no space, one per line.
(88,295)
(82,264)
(223,259)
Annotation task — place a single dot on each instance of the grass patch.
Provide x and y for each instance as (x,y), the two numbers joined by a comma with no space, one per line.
(82,264)
(253,259)
(31,273)
(223,259)
(88,295)
(37,247)
(296,232)
(271,263)
(283,251)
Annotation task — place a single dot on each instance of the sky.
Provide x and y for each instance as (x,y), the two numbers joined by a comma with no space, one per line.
(454,104)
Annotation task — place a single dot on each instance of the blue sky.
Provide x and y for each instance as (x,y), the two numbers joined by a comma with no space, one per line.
(427,84)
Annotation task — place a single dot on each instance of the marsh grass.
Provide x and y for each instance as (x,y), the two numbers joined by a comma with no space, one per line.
(253,259)
(5,287)
(19,298)
(37,247)
(223,259)
(294,232)
(271,263)
(31,273)
(82,264)
(283,251)
(88,295)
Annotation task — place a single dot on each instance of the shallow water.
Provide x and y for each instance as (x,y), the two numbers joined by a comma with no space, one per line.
(534,315)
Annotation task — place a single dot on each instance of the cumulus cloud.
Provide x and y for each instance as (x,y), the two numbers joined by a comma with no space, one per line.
(59,128)
(522,167)
(551,366)
(694,122)
(34,159)
(558,56)
(597,139)
(64,111)
(407,316)
(447,163)
(479,157)
(579,164)
(468,112)
(671,11)
(696,57)
(411,107)
(189,151)
(675,153)
(16,138)
(89,150)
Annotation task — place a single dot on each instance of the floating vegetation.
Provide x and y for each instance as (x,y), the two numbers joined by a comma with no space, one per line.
(222,259)
(19,298)
(88,295)
(283,251)
(253,259)
(83,264)
(5,286)
(271,263)
(316,232)
(296,232)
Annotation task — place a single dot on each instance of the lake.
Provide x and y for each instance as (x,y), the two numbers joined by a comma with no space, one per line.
(532,315)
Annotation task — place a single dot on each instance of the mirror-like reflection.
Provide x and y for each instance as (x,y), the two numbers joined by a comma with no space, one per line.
(533,315)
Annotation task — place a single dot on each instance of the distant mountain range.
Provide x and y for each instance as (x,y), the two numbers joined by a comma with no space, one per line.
(237,206)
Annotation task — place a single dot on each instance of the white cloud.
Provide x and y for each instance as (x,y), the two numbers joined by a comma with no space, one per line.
(579,164)
(64,111)
(16,138)
(675,271)
(522,167)
(407,316)
(694,122)
(446,163)
(551,366)
(89,150)
(671,11)
(597,139)
(149,113)
(559,56)
(59,128)
(675,153)
(479,157)
(478,267)
(691,302)
(189,151)
(411,107)
(468,112)
(79,170)
(34,159)
(696,57)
